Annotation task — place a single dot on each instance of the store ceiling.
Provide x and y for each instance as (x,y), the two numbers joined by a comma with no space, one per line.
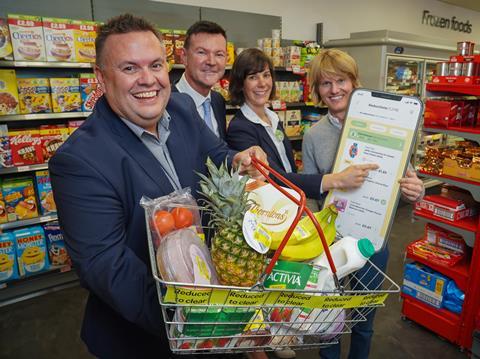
(468,4)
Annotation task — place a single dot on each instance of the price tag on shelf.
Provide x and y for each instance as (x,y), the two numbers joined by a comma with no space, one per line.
(23,168)
(298,70)
(279,105)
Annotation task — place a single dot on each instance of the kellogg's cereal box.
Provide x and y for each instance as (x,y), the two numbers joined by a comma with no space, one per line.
(6,49)
(34,95)
(5,151)
(8,258)
(8,93)
(178,41)
(65,94)
(85,33)
(73,125)
(59,41)
(31,250)
(26,147)
(45,194)
(51,138)
(90,91)
(27,37)
(57,250)
(19,195)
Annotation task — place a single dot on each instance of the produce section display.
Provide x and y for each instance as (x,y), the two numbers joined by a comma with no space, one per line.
(223,286)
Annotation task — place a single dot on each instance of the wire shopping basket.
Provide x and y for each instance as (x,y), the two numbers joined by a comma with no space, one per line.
(207,318)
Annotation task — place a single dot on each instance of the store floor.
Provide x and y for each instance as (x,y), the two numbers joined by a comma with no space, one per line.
(49,326)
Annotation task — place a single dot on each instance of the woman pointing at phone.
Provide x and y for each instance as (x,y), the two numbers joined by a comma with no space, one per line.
(333,76)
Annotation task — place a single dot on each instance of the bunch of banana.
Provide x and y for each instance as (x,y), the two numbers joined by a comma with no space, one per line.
(305,243)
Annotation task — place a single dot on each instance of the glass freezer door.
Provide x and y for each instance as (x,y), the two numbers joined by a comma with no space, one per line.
(404,75)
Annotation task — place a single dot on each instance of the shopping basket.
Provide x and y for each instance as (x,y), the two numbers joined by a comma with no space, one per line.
(207,319)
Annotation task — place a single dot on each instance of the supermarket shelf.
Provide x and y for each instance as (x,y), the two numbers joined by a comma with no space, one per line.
(28,222)
(459,272)
(29,168)
(295,138)
(441,321)
(43,283)
(470,133)
(471,186)
(287,104)
(472,90)
(429,183)
(466,227)
(182,66)
(45,64)
(44,116)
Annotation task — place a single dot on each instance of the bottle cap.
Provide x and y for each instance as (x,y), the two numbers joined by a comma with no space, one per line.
(366,247)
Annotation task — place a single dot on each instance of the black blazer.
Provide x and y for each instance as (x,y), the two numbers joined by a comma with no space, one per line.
(218,105)
(242,134)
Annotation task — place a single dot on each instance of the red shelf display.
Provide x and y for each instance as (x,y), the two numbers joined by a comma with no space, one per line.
(472,90)
(468,224)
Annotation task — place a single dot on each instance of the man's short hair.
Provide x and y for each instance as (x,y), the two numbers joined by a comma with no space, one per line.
(206,27)
(121,24)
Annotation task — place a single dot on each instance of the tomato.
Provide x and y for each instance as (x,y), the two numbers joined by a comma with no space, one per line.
(183,217)
(164,222)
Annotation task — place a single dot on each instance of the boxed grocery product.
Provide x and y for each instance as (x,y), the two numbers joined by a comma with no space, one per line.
(3,209)
(51,138)
(293,122)
(178,41)
(6,49)
(458,167)
(20,201)
(57,250)
(45,194)
(441,113)
(168,42)
(66,94)
(230,53)
(31,250)
(73,125)
(292,56)
(445,239)
(84,33)
(424,284)
(446,208)
(90,91)
(5,151)
(8,258)
(292,275)
(59,42)
(26,147)
(435,254)
(34,95)
(26,33)
(8,93)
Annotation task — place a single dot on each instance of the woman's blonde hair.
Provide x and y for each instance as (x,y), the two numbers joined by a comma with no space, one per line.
(327,63)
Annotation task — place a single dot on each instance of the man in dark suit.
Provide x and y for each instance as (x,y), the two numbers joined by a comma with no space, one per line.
(138,141)
(204,56)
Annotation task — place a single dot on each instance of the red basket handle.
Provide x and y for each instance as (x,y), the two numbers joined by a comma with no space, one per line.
(260,166)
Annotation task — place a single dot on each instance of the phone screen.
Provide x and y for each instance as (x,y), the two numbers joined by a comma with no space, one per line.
(379,128)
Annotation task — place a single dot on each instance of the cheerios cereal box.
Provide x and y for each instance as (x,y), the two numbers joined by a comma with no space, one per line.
(5,151)
(45,194)
(20,200)
(8,93)
(65,94)
(34,95)
(90,90)
(8,258)
(85,33)
(57,250)
(59,39)
(51,138)
(25,145)
(6,49)
(26,33)
(31,250)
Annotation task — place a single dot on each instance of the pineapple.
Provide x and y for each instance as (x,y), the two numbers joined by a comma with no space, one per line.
(236,263)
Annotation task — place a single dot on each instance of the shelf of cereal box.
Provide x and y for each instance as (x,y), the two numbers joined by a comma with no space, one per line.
(44,64)
(44,116)
(472,186)
(471,90)
(28,222)
(467,227)
(36,285)
(464,132)
(28,168)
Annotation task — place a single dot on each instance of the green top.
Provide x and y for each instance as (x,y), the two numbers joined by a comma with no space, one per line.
(366,247)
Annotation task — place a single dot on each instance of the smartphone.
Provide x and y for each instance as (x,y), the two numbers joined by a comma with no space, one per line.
(379,128)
